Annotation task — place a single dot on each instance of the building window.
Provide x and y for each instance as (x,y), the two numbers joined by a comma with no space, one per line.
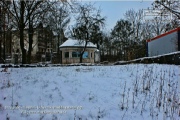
(75,54)
(66,54)
(85,55)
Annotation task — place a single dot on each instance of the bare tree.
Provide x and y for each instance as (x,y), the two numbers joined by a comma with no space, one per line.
(36,13)
(26,14)
(168,6)
(59,19)
(4,27)
(86,21)
(136,20)
(32,13)
(18,11)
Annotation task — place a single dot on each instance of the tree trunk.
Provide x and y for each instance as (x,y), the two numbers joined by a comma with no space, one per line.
(81,59)
(21,26)
(0,46)
(4,44)
(58,53)
(81,55)
(30,41)
(4,36)
(22,46)
(0,30)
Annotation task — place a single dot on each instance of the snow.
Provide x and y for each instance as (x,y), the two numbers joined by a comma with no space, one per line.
(76,43)
(146,58)
(127,92)
(158,56)
(172,53)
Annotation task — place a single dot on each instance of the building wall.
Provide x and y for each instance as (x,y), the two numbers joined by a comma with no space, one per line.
(43,42)
(16,42)
(163,45)
(71,59)
(96,56)
(16,49)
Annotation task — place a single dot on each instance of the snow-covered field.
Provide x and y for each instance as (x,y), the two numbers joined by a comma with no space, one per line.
(128,92)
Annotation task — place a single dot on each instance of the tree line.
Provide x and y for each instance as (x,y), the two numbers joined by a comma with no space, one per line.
(29,14)
(126,41)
